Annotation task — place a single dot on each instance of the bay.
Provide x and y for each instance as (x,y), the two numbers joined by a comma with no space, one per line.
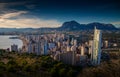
(6,42)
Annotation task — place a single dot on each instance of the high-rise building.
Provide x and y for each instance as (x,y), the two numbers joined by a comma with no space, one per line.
(67,57)
(45,48)
(75,42)
(29,48)
(14,47)
(90,46)
(96,53)
(72,41)
(58,44)
(82,50)
(37,48)
(105,44)
(68,48)
(42,48)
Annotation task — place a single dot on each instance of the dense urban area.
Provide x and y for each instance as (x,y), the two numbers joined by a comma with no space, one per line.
(59,38)
(62,54)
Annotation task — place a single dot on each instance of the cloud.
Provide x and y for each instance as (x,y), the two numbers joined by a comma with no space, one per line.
(10,15)
(30,6)
(7,7)
(23,22)
(117,23)
(31,22)
(2,5)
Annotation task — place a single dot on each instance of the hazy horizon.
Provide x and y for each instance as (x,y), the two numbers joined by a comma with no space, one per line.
(56,26)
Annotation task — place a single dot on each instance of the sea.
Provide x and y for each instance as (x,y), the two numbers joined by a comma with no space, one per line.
(6,42)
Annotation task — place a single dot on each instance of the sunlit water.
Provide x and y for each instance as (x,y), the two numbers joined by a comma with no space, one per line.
(5,42)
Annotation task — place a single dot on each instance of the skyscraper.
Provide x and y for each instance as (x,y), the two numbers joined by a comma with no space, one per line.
(82,50)
(90,46)
(45,48)
(37,48)
(30,48)
(96,53)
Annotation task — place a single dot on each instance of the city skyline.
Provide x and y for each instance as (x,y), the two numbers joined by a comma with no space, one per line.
(38,13)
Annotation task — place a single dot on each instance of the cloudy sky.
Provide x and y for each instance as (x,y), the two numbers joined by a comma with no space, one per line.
(52,13)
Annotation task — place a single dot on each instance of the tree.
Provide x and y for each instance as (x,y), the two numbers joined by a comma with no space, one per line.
(62,72)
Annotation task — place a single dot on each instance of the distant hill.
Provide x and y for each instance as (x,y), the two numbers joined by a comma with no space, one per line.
(73,25)
(66,26)
(16,29)
(119,28)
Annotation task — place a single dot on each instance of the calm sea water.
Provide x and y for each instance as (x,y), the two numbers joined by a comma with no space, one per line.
(5,42)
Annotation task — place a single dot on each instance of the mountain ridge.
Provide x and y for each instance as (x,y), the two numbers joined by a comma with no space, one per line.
(66,26)
(73,25)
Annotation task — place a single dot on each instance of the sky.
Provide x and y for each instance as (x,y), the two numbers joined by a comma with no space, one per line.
(53,13)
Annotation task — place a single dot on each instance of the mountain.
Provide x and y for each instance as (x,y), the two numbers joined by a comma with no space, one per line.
(73,25)
(16,29)
(119,28)
(101,26)
(66,26)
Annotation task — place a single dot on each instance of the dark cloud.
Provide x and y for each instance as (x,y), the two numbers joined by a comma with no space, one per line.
(65,4)
(64,9)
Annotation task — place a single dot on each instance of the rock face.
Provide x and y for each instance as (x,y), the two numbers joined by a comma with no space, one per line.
(73,25)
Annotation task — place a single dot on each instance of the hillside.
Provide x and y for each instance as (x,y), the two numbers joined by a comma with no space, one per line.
(73,25)
(66,26)
(13,64)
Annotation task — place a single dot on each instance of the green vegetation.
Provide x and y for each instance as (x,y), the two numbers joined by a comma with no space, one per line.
(29,65)
(106,69)
(13,64)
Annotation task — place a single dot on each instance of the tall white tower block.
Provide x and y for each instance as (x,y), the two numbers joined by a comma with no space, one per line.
(96,53)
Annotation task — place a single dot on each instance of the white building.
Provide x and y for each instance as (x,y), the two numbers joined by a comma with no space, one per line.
(75,42)
(72,41)
(96,53)
(105,44)
(58,44)
(90,46)
(68,48)
(82,50)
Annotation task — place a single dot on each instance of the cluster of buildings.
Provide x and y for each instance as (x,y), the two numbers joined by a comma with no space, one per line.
(62,48)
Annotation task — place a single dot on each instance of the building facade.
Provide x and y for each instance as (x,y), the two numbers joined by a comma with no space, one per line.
(14,47)
(96,53)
